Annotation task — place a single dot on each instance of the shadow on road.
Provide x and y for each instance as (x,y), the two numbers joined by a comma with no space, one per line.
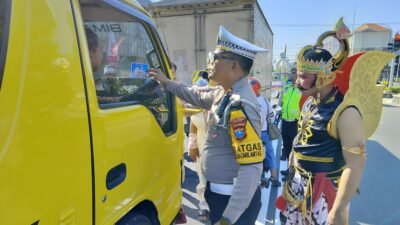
(378,203)
(191,179)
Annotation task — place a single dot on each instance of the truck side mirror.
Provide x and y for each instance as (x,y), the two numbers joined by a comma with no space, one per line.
(152,59)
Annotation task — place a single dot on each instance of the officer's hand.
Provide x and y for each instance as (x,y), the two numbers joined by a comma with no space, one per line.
(194,153)
(158,75)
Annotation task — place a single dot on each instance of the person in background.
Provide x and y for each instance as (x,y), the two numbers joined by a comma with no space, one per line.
(266,112)
(96,55)
(196,143)
(232,171)
(290,114)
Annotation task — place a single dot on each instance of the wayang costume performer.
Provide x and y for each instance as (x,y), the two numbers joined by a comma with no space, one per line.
(342,110)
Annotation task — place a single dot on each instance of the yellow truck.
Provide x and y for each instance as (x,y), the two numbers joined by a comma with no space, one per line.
(78,145)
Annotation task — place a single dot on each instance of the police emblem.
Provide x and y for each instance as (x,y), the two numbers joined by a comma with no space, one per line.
(238,125)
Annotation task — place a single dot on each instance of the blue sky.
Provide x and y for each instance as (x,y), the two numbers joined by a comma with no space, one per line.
(300,22)
(297,23)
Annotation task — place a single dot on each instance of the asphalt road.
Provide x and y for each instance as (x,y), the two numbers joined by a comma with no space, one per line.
(379,201)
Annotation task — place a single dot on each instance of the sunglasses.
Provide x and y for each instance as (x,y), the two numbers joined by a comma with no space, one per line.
(212,57)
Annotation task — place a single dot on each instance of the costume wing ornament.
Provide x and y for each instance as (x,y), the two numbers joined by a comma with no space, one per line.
(363,93)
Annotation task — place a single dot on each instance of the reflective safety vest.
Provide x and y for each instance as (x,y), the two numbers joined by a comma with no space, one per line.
(290,102)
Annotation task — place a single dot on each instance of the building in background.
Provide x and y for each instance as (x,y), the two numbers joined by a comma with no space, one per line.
(190,30)
(371,37)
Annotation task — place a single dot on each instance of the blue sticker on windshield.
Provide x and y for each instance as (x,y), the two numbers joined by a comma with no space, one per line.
(139,70)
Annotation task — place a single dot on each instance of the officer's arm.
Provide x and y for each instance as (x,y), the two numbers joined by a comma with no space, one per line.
(202,98)
(351,134)
(248,178)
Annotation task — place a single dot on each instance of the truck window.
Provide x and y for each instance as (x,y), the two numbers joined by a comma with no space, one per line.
(122,51)
(5,7)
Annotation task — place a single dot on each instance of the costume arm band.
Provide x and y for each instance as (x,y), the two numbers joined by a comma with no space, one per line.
(359,150)
(192,141)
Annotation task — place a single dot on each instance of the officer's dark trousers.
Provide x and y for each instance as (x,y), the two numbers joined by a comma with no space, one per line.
(218,203)
(289,132)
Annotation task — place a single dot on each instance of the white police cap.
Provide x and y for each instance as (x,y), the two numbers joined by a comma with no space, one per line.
(227,42)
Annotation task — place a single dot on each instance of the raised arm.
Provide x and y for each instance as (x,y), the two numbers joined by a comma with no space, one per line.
(202,98)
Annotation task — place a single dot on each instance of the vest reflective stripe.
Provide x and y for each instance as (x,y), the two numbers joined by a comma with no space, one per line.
(290,100)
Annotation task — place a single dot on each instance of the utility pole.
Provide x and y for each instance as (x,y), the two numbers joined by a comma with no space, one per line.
(391,73)
(390,49)
(398,65)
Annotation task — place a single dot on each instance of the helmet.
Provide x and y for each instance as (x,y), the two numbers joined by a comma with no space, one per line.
(256,85)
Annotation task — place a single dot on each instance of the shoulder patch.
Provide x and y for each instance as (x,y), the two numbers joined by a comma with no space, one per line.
(238,126)
(246,144)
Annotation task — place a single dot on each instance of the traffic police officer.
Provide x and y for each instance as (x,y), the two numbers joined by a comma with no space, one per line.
(233,152)
(290,113)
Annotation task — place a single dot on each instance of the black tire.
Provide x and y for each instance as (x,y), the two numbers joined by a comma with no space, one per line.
(134,218)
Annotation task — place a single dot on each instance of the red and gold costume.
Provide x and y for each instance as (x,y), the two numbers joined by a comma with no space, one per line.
(317,162)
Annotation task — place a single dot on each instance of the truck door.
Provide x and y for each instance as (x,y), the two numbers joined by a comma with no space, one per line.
(137,149)
(45,160)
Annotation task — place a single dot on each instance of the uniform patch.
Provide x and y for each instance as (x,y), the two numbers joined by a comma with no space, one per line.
(246,144)
(238,126)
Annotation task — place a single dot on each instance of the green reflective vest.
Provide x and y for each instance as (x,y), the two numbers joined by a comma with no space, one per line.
(290,102)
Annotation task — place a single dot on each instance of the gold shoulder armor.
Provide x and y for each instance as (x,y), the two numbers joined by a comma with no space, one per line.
(363,93)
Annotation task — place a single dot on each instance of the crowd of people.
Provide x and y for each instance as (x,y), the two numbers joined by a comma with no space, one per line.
(229,141)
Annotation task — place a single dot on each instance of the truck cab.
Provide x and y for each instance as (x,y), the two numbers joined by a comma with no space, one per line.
(78,144)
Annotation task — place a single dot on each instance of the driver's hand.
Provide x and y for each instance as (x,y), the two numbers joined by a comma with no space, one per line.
(158,75)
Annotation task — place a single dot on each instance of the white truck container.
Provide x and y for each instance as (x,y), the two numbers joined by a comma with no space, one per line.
(190,29)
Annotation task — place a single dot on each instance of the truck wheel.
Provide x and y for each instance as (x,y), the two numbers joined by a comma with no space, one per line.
(134,218)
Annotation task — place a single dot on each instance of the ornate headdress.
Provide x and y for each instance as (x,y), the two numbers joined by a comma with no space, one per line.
(316,59)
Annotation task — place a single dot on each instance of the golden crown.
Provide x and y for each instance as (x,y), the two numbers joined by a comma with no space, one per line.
(308,65)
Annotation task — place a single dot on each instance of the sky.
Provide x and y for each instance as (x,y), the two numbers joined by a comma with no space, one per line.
(297,23)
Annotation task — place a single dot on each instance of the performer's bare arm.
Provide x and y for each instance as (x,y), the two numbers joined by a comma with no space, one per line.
(351,134)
